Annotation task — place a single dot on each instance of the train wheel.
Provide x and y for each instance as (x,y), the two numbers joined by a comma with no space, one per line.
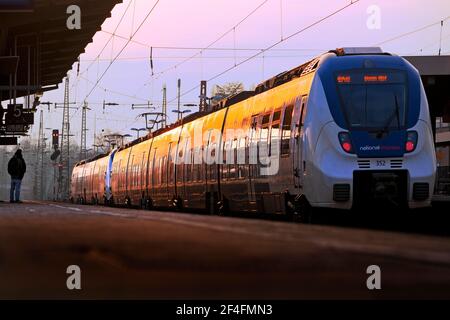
(128,202)
(177,203)
(299,209)
(222,207)
(148,204)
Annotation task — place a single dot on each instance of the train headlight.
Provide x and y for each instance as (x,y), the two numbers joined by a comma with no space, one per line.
(345,141)
(411,141)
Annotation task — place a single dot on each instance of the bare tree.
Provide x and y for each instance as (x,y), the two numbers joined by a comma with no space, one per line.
(227,90)
(106,139)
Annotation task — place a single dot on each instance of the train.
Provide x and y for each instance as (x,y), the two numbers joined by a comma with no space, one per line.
(350,128)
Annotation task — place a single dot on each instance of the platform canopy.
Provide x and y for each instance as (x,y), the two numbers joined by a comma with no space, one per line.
(435,73)
(35,41)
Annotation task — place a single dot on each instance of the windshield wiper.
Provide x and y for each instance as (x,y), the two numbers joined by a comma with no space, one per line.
(396,112)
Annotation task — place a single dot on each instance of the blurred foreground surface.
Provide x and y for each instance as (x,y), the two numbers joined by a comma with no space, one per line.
(127,253)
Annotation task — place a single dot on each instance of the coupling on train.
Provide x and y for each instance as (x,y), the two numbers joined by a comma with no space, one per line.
(349,128)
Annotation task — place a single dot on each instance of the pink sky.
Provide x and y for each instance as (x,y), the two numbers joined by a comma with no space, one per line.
(196,23)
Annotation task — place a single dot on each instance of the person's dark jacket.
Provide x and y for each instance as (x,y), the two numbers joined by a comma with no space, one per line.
(17,166)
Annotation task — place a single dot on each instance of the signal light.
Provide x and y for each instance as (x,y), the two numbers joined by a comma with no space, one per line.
(345,141)
(55,137)
(411,141)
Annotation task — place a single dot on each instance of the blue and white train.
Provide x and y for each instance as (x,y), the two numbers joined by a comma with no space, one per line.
(350,128)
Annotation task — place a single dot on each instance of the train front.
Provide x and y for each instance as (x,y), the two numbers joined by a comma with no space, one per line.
(377,149)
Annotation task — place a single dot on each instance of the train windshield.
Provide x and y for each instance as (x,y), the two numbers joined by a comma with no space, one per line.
(373,100)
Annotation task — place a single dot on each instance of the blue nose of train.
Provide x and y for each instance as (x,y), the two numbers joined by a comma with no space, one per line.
(379,144)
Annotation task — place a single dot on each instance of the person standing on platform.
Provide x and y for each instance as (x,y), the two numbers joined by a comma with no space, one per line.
(16,169)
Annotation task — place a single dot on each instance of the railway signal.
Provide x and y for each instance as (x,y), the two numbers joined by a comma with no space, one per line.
(55,138)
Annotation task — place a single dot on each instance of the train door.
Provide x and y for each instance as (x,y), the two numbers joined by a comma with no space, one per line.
(297,131)
(143,177)
(108,174)
(131,174)
(152,165)
(252,158)
(169,174)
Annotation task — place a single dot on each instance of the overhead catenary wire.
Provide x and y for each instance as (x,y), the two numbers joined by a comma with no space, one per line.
(121,50)
(274,45)
(232,29)
(110,38)
(130,59)
(207,49)
(115,91)
(412,32)
(430,45)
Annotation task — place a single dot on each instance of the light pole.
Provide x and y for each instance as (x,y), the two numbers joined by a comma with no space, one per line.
(138,131)
(115,138)
(181,113)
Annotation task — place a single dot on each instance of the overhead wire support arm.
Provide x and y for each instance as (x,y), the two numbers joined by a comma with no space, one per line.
(109,104)
(142,106)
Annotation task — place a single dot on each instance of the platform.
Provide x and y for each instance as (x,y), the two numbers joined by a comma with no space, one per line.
(126,253)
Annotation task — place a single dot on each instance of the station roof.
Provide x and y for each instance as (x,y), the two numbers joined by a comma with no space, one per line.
(40,38)
(431,65)
(435,74)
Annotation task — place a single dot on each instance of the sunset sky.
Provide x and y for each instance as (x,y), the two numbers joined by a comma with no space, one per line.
(197,23)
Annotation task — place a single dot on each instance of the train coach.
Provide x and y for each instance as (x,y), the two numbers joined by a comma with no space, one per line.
(349,128)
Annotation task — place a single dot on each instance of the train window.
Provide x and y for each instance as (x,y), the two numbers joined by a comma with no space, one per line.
(191,166)
(286,129)
(213,164)
(171,164)
(304,109)
(226,159)
(265,119)
(124,177)
(179,162)
(275,134)
(194,166)
(159,172)
(276,116)
(199,166)
(132,171)
(137,175)
(187,166)
(144,169)
(242,157)
(374,100)
(235,166)
(263,144)
(152,169)
(252,147)
(165,170)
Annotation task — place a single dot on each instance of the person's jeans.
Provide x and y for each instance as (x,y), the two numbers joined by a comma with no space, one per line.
(14,194)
